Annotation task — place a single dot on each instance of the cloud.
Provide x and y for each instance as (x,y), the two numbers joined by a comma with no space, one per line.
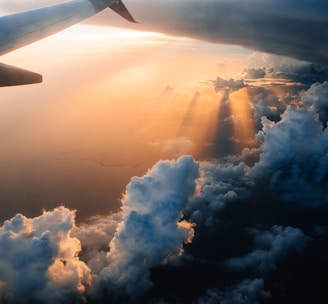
(265,104)
(220,184)
(95,236)
(254,73)
(231,84)
(38,259)
(316,99)
(245,292)
(284,188)
(285,145)
(271,247)
(265,217)
(42,262)
(152,232)
(239,228)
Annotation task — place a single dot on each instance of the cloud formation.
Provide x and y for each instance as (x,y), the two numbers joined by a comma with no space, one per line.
(244,292)
(246,227)
(286,144)
(271,247)
(261,214)
(42,262)
(152,232)
(38,259)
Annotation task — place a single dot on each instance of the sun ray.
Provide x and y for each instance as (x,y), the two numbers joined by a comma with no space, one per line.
(244,127)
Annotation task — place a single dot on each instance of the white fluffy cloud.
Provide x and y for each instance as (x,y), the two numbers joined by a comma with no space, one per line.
(293,157)
(42,262)
(152,231)
(38,259)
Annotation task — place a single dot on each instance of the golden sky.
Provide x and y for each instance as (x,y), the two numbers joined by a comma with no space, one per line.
(113,102)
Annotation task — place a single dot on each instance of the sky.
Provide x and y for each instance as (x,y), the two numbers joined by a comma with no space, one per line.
(180,160)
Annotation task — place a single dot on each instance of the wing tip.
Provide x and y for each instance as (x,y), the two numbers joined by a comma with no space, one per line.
(120,9)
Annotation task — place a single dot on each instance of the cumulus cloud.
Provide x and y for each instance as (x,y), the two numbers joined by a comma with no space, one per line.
(42,262)
(38,259)
(316,100)
(266,104)
(152,231)
(285,147)
(220,184)
(95,236)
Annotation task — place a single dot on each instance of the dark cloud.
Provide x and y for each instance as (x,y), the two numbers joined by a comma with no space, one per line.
(255,73)
(266,104)
(299,72)
(245,292)
(271,247)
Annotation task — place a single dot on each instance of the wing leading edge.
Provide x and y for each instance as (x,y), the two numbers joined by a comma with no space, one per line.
(18,30)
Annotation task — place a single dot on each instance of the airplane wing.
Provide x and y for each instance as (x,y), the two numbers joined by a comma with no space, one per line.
(20,29)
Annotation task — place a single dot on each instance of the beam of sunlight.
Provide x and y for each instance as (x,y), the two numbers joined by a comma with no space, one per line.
(243,122)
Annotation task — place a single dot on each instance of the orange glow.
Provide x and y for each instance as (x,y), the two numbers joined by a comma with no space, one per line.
(108,109)
(244,128)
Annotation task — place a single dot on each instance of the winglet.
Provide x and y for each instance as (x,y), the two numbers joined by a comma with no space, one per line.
(120,8)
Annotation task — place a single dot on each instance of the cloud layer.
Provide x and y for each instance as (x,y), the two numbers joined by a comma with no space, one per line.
(49,259)
(248,226)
